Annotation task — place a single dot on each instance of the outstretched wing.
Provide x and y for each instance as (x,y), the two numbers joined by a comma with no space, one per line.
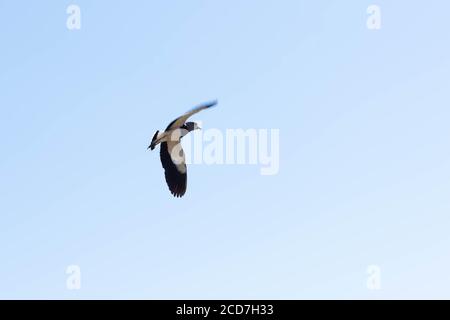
(178,122)
(174,164)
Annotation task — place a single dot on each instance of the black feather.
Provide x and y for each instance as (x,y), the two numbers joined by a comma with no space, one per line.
(176,180)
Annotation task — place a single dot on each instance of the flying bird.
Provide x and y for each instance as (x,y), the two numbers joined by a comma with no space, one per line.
(171,152)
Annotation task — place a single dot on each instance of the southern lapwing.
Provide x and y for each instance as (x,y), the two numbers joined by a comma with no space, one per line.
(172,154)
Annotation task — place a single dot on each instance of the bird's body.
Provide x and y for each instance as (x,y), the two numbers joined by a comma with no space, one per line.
(171,152)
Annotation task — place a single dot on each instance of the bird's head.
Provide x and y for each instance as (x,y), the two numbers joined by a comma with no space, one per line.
(191,126)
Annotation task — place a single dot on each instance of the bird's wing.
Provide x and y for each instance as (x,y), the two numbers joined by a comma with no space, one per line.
(178,122)
(174,164)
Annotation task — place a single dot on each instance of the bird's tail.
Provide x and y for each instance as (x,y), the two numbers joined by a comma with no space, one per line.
(153,144)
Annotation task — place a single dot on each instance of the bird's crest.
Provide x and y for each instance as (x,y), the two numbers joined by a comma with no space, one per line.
(152,145)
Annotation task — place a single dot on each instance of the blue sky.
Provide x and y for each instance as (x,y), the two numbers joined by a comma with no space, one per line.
(364,149)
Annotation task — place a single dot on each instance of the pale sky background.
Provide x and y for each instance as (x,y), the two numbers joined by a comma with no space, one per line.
(364,158)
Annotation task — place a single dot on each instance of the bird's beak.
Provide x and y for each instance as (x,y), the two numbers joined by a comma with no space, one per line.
(199,128)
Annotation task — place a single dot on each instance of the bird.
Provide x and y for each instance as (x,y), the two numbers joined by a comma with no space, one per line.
(171,152)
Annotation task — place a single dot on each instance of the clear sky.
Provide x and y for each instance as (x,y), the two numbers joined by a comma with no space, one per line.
(364,173)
